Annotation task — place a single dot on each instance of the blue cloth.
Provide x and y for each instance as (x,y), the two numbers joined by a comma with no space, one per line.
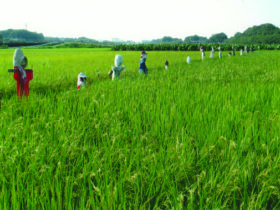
(143,68)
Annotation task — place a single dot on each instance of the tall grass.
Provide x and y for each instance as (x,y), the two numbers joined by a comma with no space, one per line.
(198,136)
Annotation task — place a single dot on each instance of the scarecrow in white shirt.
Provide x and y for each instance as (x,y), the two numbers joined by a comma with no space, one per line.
(82,81)
(117,69)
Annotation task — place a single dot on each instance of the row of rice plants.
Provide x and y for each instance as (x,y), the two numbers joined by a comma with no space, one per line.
(203,135)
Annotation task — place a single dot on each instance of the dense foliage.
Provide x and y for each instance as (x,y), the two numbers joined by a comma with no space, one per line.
(218,38)
(195,39)
(164,40)
(193,47)
(78,45)
(265,36)
(11,36)
(163,47)
(82,40)
(262,34)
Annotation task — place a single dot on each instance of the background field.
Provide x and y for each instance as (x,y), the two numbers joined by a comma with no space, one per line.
(204,135)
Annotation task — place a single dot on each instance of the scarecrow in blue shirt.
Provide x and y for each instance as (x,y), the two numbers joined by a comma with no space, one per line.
(143,68)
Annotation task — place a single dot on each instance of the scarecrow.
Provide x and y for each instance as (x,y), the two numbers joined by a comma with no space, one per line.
(202,52)
(166,64)
(117,69)
(82,81)
(220,52)
(188,60)
(212,52)
(143,68)
(22,75)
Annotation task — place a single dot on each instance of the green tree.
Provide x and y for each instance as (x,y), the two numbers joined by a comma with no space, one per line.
(218,38)
(262,34)
(168,39)
(1,39)
(195,39)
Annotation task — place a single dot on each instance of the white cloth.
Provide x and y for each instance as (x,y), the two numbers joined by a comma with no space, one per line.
(118,60)
(117,69)
(79,82)
(212,53)
(18,59)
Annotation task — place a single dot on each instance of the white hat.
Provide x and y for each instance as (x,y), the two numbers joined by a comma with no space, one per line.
(188,59)
(81,83)
(82,75)
(118,60)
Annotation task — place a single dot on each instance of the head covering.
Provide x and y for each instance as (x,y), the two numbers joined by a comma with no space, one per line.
(143,55)
(202,49)
(20,61)
(118,60)
(81,80)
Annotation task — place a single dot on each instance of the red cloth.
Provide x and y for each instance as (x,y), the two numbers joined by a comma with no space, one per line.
(23,84)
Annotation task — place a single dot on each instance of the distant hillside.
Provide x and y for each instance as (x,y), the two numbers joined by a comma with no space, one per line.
(21,36)
(262,34)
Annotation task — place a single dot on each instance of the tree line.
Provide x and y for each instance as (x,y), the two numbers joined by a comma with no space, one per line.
(262,34)
(192,47)
(11,36)
(265,36)
(262,37)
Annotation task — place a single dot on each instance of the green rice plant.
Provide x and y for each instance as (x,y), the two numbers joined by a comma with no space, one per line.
(203,135)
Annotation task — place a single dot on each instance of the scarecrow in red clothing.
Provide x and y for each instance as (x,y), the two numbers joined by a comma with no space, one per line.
(22,75)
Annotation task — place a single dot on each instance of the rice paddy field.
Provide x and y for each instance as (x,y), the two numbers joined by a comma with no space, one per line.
(203,135)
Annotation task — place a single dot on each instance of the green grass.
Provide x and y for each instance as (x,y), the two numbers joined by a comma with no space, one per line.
(198,136)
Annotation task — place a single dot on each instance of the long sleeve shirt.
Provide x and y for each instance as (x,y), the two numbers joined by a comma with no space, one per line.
(143,66)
